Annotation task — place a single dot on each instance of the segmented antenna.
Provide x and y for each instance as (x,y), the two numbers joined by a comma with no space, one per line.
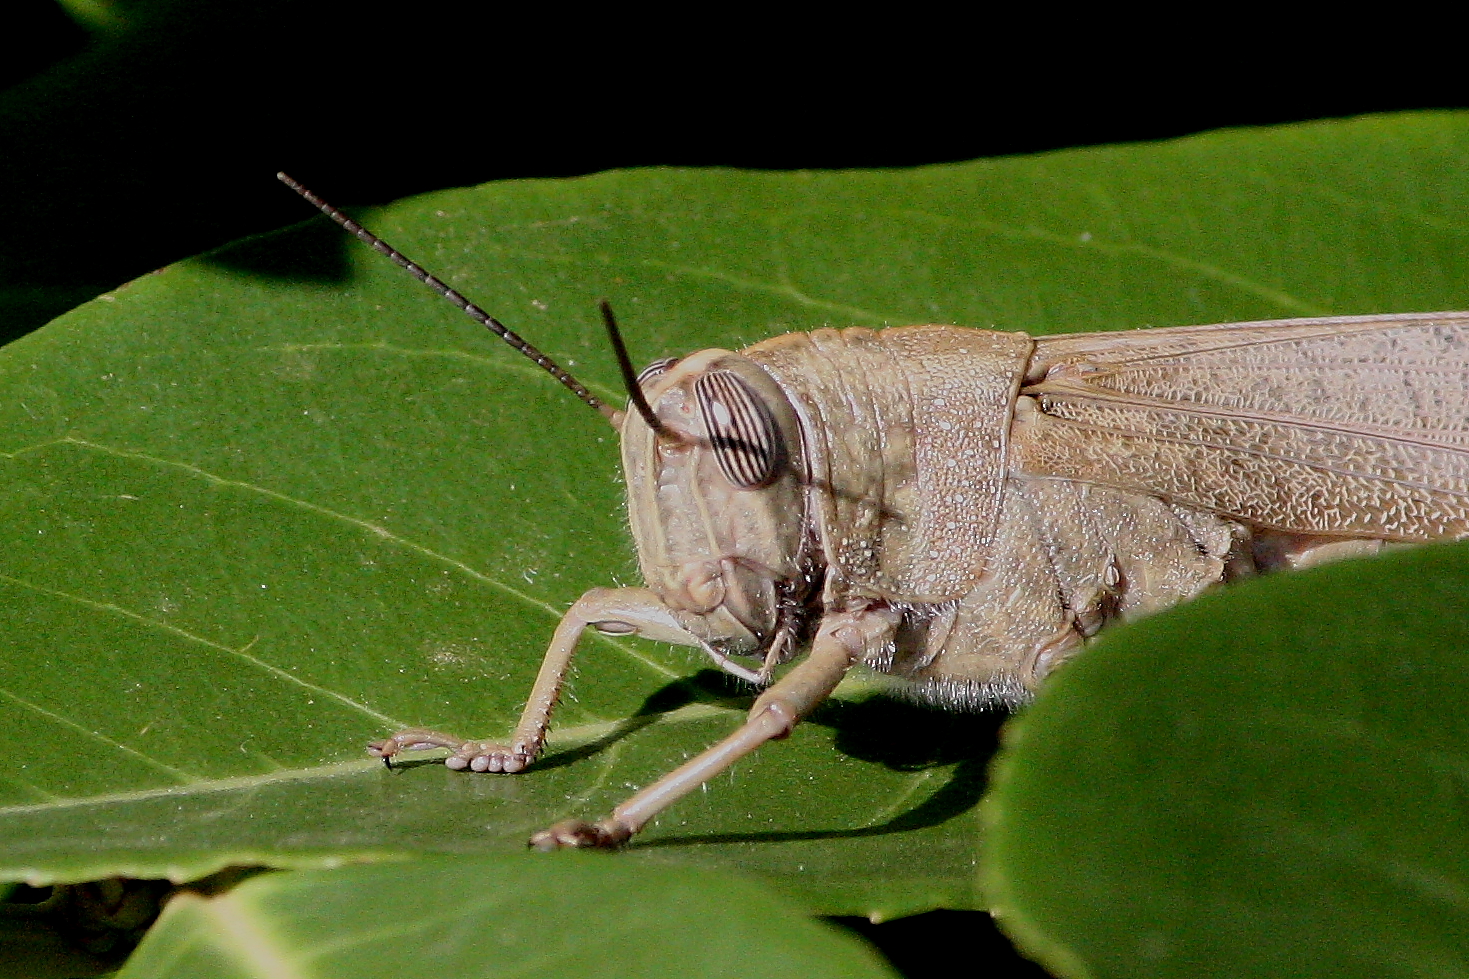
(473,311)
(630,376)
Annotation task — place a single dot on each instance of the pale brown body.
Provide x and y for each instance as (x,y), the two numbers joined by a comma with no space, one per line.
(961,509)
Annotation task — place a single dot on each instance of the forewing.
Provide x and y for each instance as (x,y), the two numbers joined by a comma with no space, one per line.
(1347,426)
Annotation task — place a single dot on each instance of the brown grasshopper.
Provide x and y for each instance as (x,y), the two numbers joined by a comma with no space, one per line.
(961,509)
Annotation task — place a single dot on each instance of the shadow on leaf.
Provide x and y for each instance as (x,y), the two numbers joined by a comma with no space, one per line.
(902,736)
(315,251)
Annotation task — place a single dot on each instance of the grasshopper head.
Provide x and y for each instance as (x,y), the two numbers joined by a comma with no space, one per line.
(715,493)
(717,502)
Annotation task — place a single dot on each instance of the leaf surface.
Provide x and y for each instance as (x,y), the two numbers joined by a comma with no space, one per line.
(267,505)
(488,917)
(1286,799)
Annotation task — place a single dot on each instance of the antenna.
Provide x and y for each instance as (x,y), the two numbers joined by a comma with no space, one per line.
(630,376)
(477,314)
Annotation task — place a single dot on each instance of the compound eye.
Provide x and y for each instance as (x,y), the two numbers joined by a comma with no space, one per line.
(655,368)
(741,430)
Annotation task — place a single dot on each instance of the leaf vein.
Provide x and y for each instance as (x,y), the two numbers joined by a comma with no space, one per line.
(183,777)
(892,809)
(253,946)
(1165,256)
(372,528)
(241,653)
(516,366)
(567,737)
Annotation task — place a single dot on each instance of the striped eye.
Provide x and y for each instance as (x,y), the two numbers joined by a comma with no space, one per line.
(740,428)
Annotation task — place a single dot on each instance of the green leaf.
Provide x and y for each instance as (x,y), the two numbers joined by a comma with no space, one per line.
(265,506)
(273,504)
(574,915)
(1268,782)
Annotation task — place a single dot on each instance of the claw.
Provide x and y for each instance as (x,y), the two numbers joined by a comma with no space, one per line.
(384,750)
(577,834)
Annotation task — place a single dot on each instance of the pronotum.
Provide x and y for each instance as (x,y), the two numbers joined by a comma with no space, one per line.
(961,509)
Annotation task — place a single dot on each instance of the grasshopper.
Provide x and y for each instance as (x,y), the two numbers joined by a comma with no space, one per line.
(962,509)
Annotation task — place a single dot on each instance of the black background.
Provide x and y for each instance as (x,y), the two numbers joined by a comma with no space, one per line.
(124,149)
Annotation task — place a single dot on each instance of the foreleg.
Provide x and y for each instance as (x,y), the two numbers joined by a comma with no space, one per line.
(612,611)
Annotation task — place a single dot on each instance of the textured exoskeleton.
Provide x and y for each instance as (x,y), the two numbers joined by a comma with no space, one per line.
(960,509)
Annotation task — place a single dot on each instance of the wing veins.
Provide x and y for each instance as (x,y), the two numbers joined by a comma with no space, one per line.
(1264,418)
(1258,453)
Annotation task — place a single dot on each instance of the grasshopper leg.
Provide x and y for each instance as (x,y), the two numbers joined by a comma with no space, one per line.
(614,611)
(842,640)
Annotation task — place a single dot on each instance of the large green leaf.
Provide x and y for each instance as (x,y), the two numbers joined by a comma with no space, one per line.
(261,519)
(1289,797)
(484,917)
(263,507)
